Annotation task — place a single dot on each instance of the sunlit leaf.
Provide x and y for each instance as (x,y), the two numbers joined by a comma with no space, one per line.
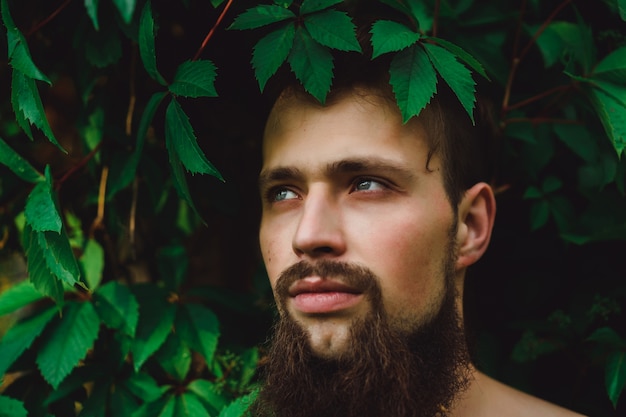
(208,393)
(117,307)
(455,74)
(10,407)
(312,64)
(333,29)
(270,52)
(147,49)
(126,8)
(18,296)
(73,335)
(261,15)
(199,328)
(615,376)
(92,262)
(195,79)
(92,12)
(389,36)
(238,407)
(413,79)
(20,167)
(19,337)
(41,211)
(312,6)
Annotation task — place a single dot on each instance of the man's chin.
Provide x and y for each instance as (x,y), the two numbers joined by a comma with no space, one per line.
(329,338)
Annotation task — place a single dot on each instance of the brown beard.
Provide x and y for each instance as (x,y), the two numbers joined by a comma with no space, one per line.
(387,373)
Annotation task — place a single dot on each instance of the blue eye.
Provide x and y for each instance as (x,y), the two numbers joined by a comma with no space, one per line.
(368,185)
(284,194)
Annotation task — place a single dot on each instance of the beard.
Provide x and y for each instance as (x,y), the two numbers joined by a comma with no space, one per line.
(389,370)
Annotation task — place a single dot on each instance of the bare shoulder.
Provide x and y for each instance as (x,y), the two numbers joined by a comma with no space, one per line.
(490,398)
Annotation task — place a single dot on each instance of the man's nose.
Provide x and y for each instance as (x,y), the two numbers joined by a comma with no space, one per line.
(319,233)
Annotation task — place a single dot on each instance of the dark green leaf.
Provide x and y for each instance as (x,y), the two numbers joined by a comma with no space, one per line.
(261,15)
(333,29)
(613,67)
(539,214)
(181,140)
(92,262)
(612,114)
(96,404)
(238,407)
(312,64)
(621,5)
(615,376)
(607,337)
(195,79)
(174,356)
(208,393)
(69,342)
(180,181)
(147,48)
(117,307)
(249,365)
(92,12)
(198,327)
(19,337)
(461,54)
(10,407)
(143,386)
(163,407)
(551,184)
(389,36)
(189,405)
(38,271)
(41,212)
(271,51)
(172,264)
(20,167)
(58,255)
(76,380)
(18,296)
(126,8)
(103,47)
(533,192)
(312,6)
(413,79)
(579,140)
(419,10)
(455,75)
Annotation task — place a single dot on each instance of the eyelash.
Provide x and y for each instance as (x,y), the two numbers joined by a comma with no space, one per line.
(271,194)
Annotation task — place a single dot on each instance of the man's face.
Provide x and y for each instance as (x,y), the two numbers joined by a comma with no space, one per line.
(350,183)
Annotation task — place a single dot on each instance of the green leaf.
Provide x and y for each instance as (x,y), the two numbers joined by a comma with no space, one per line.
(312,6)
(420,12)
(312,64)
(195,79)
(10,407)
(156,318)
(19,54)
(333,29)
(180,181)
(117,307)
(608,337)
(238,407)
(92,12)
(126,9)
(172,264)
(389,36)
(147,49)
(249,365)
(72,337)
(174,356)
(41,212)
(271,51)
(104,47)
(551,184)
(19,337)
(615,376)
(539,214)
(143,386)
(461,54)
(92,262)
(27,105)
(20,167)
(38,271)
(621,5)
(261,15)
(199,328)
(208,393)
(533,192)
(17,296)
(612,114)
(182,141)
(189,405)
(455,74)
(413,79)
(613,67)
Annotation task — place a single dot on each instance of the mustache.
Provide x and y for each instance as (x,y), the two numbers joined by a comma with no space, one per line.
(354,275)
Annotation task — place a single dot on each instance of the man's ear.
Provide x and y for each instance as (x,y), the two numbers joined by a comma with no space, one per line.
(477,212)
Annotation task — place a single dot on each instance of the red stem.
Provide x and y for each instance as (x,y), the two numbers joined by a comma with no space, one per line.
(78,166)
(543,27)
(436,17)
(210,34)
(537,97)
(49,18)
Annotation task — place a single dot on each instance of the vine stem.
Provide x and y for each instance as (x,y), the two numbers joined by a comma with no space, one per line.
(539,96)
(436,17)
(79,165)
(212,31)
(49,18)
(535,120)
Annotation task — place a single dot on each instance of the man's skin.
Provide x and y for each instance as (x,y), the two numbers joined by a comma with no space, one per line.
(350,182)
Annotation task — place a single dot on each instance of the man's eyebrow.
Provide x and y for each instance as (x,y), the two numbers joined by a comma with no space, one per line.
(371,165)
(278,174)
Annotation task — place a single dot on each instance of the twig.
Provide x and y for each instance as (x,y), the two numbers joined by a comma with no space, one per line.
(78,166)
(539,96)
(542,28)
(133,95)
(210,34)
(49,18)
(436,17)
(97,222)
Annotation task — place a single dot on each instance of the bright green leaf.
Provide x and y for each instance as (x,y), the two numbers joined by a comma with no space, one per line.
(249,365)
(461,54)
(143,386)
(333,29)
(163,407)
(389,36)
(92,262)
(238,407)
(174,356)
(20,167)
(613,67)
(59,256)
(312,64)
(271,51)
(41,212)
(181,139)
(126,8)
(615,376)
(195,79)
(312,6)
(261,15)
(73,336)
(413,79)
(17,296)
(10,407)
(188,405)
(38,271)
(208,393)
(92,12)
(199,328)
(147,49)
(455,74)
(612,114)
(19,337)
(117,307)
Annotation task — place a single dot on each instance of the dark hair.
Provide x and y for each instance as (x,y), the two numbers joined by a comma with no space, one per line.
(467,150)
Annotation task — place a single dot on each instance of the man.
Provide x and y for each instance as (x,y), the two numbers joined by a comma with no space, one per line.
(367,230)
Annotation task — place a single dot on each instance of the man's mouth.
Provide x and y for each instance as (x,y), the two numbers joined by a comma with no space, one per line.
(315,295)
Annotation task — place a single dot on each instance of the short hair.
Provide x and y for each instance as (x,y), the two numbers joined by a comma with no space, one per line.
(467,150)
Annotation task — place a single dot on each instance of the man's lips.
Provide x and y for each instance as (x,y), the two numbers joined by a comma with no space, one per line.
(314,295)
